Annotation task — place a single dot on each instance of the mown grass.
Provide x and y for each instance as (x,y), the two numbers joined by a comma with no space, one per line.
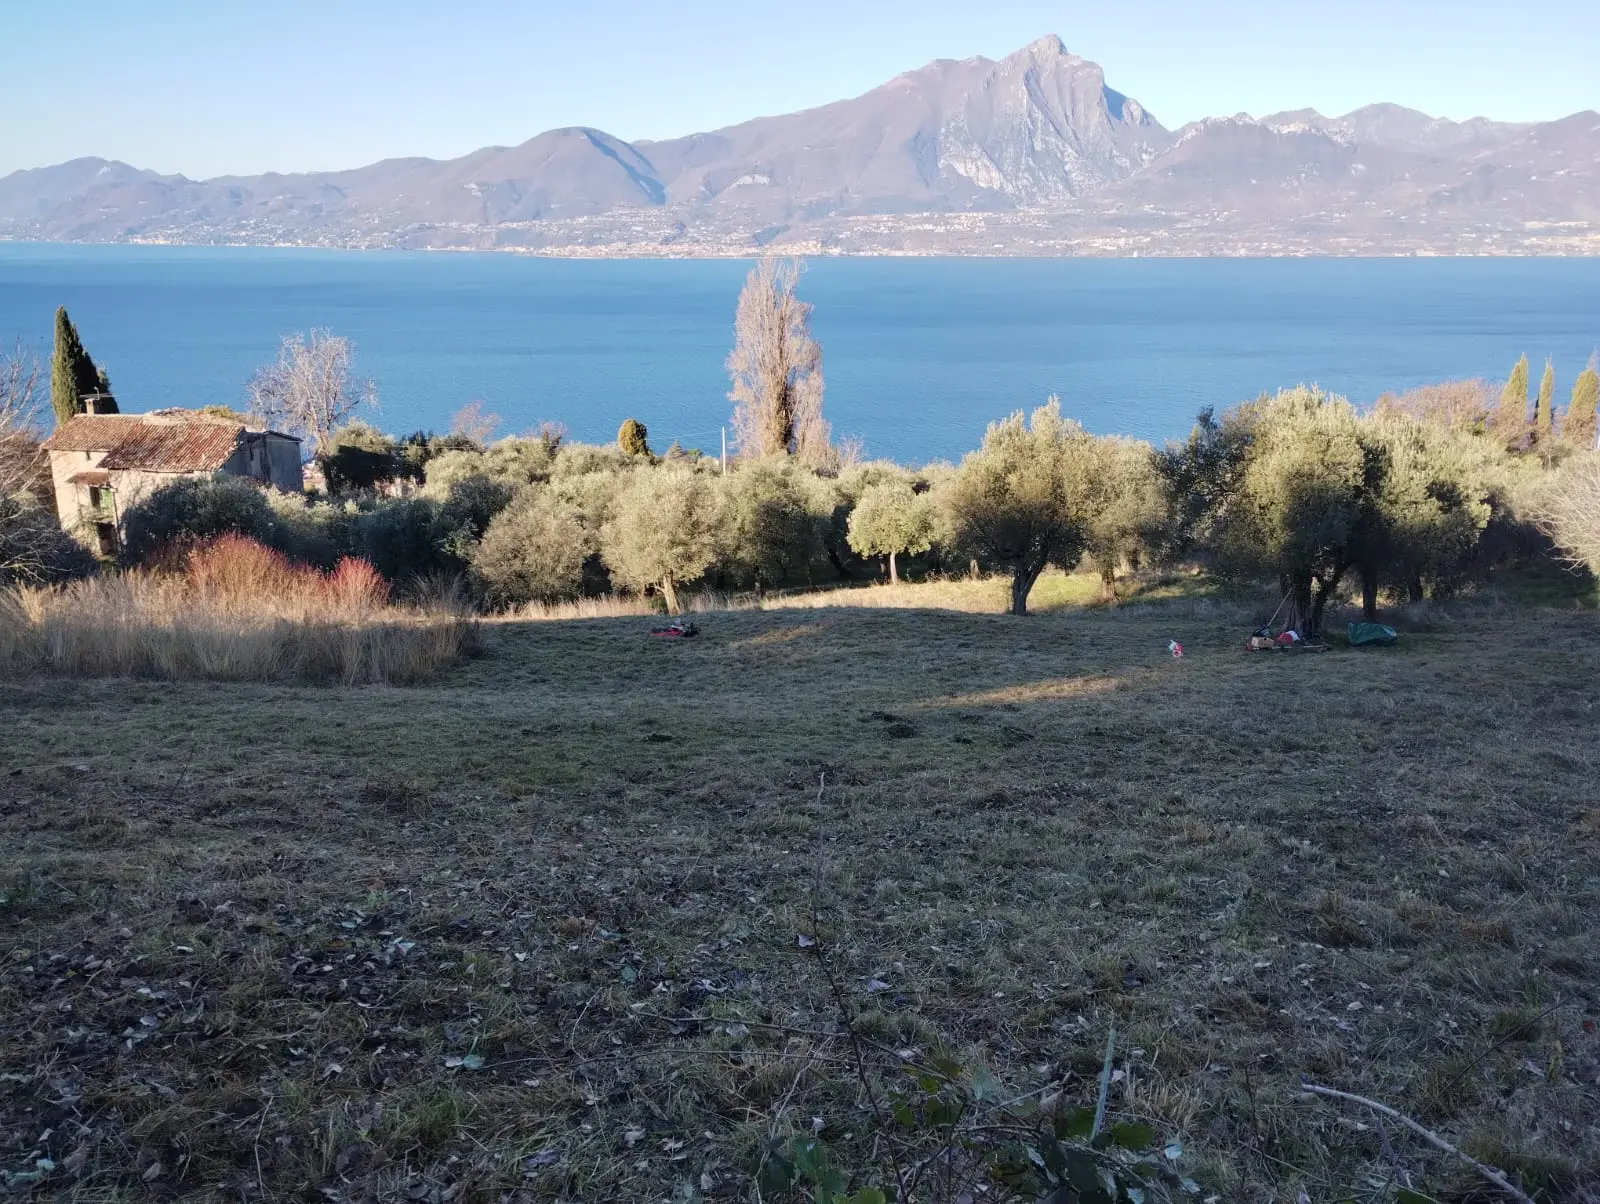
(531,931)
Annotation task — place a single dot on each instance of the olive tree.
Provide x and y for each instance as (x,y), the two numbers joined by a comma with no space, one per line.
(1128,511)
(532,551)
(775,517)
(359,458)
(515,462)
(1428,495)
(662,532)
(890,519)
(1297,507)
(192,509)
(1023,500)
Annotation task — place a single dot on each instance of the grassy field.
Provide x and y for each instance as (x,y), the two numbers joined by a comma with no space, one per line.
(548,927)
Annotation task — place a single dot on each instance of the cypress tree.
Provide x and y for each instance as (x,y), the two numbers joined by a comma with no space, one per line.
(1544,411)
(633,438)
(1577,428)
(1511,415)
(73,374)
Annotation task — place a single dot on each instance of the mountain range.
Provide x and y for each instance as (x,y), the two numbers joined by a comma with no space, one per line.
(1031,154)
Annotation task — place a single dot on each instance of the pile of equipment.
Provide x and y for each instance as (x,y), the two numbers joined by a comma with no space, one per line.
(678,629)
(1289,638)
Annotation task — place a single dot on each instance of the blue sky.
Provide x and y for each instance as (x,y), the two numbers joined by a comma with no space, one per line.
(223,87)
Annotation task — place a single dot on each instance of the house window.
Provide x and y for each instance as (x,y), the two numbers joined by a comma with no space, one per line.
(99,497)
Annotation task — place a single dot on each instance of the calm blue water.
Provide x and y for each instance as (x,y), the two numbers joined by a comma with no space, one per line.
(920,354)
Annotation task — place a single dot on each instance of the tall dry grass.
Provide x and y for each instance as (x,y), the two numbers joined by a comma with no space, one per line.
(235,612)
(623,606)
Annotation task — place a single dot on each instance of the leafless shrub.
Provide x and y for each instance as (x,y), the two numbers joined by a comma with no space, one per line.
(1464,405)
(475,422)
(33,547)
(1567,509)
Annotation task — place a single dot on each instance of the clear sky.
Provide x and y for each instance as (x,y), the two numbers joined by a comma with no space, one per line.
(207,87)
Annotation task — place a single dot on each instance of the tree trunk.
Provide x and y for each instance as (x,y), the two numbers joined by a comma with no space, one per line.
(1108,585)
(669,591)
(1319,603)
(838,564)
(894,572)
(1299,616)
(1369,593)
(1022,580)
(1414,588)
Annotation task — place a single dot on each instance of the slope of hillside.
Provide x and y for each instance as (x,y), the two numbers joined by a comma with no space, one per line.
(1035,152)
(534,932)
(1039,126)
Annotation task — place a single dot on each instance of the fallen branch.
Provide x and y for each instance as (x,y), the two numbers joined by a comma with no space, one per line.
(1105,1085)
(1428,1135)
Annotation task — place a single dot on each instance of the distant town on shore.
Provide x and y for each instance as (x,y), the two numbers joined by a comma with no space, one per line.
(1033,154)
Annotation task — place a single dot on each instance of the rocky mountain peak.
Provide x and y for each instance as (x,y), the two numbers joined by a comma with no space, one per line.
(1039,130)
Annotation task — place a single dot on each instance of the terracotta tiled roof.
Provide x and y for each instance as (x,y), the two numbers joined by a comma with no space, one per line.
(92,432)
(176,447)
(172,441)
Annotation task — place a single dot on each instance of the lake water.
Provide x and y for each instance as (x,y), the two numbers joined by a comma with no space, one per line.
(920,354)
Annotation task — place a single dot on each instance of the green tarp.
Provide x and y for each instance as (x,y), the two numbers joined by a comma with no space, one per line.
(1376,634)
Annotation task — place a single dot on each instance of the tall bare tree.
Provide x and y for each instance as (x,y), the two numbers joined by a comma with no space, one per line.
(776,368)
(21,407)
(33,547)
(310,390)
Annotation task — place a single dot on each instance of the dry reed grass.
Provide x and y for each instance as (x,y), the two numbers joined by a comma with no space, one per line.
(236,612)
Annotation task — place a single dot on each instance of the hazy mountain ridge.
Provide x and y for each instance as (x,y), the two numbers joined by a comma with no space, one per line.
(1033,153)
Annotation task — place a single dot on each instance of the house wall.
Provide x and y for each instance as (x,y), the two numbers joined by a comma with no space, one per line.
(128,487)
(269,458)
(71,500)
(132,485)
(284,470)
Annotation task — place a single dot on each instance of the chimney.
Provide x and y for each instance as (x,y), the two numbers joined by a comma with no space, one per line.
(99,403)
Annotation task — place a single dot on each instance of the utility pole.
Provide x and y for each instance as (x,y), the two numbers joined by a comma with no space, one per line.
(724,451)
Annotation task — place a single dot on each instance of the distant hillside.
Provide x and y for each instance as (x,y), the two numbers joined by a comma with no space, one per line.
(1035,153)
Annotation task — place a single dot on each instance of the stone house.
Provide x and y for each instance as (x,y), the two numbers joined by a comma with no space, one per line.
(101,464)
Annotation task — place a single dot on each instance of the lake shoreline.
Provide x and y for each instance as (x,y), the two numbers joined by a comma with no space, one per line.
(921,353)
